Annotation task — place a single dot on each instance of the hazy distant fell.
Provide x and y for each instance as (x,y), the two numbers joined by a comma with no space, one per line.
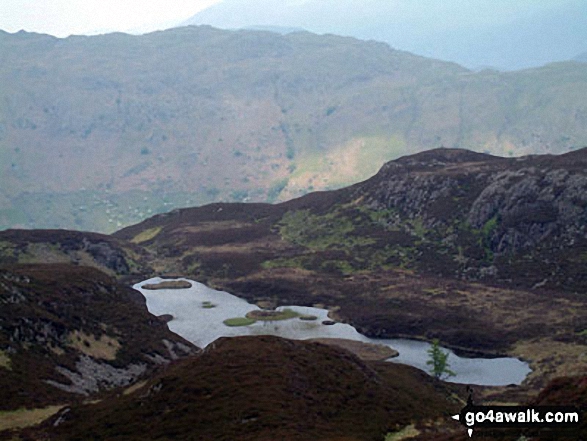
(100,132)
(498,33)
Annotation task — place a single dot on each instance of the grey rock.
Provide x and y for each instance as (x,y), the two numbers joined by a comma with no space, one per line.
(93,376)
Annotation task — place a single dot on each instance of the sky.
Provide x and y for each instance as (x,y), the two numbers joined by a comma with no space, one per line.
(66,17)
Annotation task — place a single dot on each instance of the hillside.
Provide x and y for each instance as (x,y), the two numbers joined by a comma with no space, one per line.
(563,391)
(444,212)
(68,333)
(97,133)
(109,255)
(266,388)
(446,236)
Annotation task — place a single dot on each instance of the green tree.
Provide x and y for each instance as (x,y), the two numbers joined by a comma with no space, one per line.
(439,361)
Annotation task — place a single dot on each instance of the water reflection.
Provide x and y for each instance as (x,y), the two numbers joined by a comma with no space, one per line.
(202,326)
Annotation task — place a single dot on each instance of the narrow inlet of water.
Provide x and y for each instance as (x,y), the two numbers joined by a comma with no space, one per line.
(202,325)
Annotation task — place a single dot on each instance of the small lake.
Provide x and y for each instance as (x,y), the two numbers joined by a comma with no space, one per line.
(202,326)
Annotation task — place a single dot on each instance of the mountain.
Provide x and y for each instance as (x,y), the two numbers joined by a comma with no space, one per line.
(265,388)
(97,133)
(71,332)
(485,253)
(506,35)
(581,57)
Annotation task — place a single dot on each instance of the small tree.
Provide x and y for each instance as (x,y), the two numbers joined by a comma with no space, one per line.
(438,361)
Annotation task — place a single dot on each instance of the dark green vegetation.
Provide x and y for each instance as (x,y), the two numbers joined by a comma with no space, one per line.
(67,332)
(97,133)
(439,366)
(266,388)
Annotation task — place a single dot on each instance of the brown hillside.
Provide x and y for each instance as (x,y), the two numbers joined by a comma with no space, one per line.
(69,332)
(266,388)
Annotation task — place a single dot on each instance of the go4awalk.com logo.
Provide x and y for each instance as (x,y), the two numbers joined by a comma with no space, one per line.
(530,417)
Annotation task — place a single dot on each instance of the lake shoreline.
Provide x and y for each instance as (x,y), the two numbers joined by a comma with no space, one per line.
(365,351)
(202,326)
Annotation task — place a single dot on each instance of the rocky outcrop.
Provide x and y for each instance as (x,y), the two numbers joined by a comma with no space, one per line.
(528,202)
(91,376)
(483,208)
(106,255)
(67,329)
(532,206)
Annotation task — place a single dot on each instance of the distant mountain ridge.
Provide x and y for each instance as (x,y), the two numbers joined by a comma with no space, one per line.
(97,133)
(507,35)
(283,30)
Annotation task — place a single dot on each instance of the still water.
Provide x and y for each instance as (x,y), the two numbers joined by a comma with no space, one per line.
(202,326)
